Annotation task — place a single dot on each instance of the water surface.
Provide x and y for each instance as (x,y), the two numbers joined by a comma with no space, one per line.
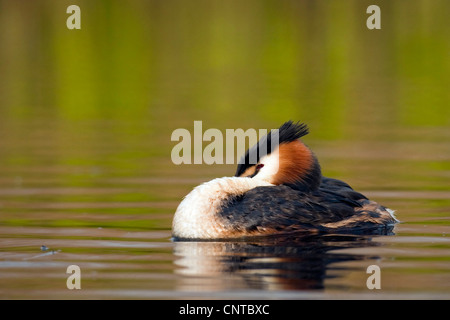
(86,118)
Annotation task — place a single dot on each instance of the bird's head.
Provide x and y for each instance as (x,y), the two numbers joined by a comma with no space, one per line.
(281,158)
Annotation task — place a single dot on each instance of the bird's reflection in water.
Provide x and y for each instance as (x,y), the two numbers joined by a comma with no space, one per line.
(296,262)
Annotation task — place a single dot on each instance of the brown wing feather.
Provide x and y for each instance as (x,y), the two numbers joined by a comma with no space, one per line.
(282,208)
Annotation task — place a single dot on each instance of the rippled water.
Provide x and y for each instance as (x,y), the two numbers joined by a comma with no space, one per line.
(117,229)
(86,119)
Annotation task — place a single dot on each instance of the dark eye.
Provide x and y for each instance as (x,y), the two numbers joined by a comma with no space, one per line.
(259,166)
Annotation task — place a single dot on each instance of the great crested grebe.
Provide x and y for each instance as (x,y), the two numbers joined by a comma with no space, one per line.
(283,192)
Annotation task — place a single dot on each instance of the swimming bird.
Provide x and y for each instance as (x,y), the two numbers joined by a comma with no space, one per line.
(278,188)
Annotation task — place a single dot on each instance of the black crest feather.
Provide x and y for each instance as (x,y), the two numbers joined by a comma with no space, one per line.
(291,131)
(288,132)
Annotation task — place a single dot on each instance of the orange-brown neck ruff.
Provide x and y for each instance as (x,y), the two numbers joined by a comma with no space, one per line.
(295,162)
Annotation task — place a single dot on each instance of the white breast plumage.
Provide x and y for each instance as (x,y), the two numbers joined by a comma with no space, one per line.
(196,216)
